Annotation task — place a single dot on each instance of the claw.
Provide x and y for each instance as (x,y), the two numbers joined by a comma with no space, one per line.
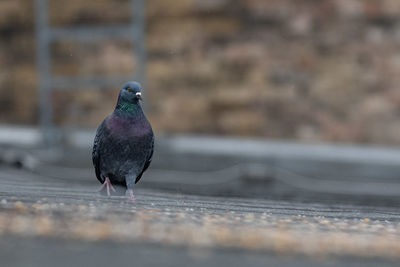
(108,185)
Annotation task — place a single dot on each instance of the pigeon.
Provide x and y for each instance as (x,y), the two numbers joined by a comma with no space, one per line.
(124,143)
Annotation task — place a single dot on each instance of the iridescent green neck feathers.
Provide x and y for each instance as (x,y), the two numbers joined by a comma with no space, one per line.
(128,107)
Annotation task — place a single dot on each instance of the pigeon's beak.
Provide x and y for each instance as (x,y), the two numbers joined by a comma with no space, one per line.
(139,95)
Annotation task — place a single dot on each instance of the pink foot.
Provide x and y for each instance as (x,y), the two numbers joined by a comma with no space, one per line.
(108,185)
(131,195)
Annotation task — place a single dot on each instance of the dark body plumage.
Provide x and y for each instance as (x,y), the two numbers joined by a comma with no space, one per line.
(123,146)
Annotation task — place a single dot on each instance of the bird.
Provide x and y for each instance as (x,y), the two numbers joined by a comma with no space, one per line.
(124,143)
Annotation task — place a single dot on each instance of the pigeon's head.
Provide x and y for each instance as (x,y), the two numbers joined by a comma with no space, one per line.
(131,92)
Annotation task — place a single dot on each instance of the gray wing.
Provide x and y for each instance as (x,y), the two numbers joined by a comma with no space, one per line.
(96,151)
(148,161)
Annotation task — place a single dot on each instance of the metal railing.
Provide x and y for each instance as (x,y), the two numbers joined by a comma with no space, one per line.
(46,34)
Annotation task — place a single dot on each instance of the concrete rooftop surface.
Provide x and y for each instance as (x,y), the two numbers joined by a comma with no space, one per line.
(48,221)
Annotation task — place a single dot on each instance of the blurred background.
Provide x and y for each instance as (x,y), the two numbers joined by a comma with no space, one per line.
(303,71)
(307,70)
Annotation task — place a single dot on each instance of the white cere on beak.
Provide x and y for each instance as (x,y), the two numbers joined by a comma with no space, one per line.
(139,94)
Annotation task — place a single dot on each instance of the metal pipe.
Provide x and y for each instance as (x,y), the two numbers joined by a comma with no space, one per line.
(139,43)
(44,66)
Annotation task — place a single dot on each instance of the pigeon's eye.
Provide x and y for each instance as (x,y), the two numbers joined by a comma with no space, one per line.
(129,89)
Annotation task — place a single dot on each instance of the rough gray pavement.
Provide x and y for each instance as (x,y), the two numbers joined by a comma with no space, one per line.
(47,252)
(46,222)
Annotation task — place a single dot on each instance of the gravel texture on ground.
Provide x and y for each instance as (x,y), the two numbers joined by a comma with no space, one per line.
(32,206)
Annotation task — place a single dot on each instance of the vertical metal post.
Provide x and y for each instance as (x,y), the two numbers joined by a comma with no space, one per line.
(44,66)
(46,34)
(139,42)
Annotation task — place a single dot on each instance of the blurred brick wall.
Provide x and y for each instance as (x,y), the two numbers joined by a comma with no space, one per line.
(326,70)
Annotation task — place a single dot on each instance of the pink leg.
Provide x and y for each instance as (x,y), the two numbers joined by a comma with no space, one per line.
(108,185)
(131,195)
